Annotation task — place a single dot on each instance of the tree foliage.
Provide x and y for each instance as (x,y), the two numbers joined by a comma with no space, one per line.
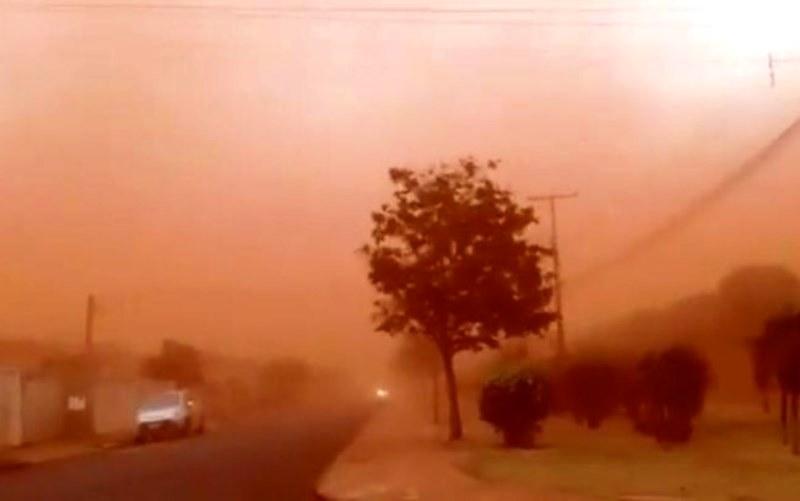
(449,260)
(591,389)
(776,357)
(776,353)
(757,293)
(178,362)
(514,401)
(668,391)
(722,323)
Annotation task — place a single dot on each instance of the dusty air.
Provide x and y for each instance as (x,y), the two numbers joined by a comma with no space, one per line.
(399,250)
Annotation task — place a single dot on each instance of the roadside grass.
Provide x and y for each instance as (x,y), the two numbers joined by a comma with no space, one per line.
(732,456)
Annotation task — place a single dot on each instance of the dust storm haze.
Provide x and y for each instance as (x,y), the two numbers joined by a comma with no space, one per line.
(209,172)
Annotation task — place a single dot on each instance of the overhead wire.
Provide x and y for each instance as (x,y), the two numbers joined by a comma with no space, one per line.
(745,171)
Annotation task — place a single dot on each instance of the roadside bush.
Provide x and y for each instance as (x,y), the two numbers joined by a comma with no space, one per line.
(591,390)
(514,401)
(668,391)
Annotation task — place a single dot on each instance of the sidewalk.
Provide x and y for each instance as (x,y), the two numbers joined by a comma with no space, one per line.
(398,456)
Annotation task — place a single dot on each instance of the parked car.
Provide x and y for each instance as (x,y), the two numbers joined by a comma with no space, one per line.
(170,414)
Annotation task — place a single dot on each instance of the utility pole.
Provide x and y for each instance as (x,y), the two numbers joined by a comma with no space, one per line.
(771,67)
(89,328)
(561,348)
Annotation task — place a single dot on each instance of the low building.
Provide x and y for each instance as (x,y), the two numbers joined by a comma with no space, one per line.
(32,407)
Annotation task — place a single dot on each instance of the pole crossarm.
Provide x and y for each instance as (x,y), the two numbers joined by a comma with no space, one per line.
(554,196)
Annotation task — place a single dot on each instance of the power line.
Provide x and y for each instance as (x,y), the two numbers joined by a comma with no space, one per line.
(475,16)
(435,14)
(746,170)
(533,23)
(360,9)
(590,17)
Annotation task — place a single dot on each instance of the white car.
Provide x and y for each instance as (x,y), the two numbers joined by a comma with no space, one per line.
(169,414)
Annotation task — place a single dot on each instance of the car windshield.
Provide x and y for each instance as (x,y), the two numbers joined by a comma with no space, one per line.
(162,400)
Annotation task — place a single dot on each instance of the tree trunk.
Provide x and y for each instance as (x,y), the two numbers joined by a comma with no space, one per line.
(795,424)
(784,431)
(435,400)
(452,396)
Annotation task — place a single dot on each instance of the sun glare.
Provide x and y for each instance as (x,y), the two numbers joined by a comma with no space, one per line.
(750,26)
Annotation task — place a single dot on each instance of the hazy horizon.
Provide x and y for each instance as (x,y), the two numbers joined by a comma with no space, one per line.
(210,175)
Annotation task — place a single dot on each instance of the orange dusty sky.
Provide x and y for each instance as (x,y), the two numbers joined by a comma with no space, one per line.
(209,172)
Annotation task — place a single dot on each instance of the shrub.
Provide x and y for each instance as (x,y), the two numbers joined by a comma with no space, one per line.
(667,392)
(591,390)
(514,401)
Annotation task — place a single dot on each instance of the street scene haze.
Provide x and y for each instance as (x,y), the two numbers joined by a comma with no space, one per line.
(395,249)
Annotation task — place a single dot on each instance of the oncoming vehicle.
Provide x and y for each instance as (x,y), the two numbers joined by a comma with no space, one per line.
(169,414)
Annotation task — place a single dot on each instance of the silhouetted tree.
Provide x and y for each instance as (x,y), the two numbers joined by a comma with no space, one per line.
(776,356)
(668,391)
(514,401)
(592,389)
(284,379)
(722,324)
(450,261)
(754,294)
(178,362)
(417,358)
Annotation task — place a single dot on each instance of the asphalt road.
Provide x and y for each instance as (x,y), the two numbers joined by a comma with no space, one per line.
(274,456)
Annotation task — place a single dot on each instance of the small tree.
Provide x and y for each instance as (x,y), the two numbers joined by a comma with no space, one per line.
(449,260)
(178,362)
(592,390)
(753,295)
(776,356)
(669,392)
(514,401)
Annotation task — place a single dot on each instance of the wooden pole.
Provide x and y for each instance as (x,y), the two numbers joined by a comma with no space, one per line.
(561,346)
(89,328)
